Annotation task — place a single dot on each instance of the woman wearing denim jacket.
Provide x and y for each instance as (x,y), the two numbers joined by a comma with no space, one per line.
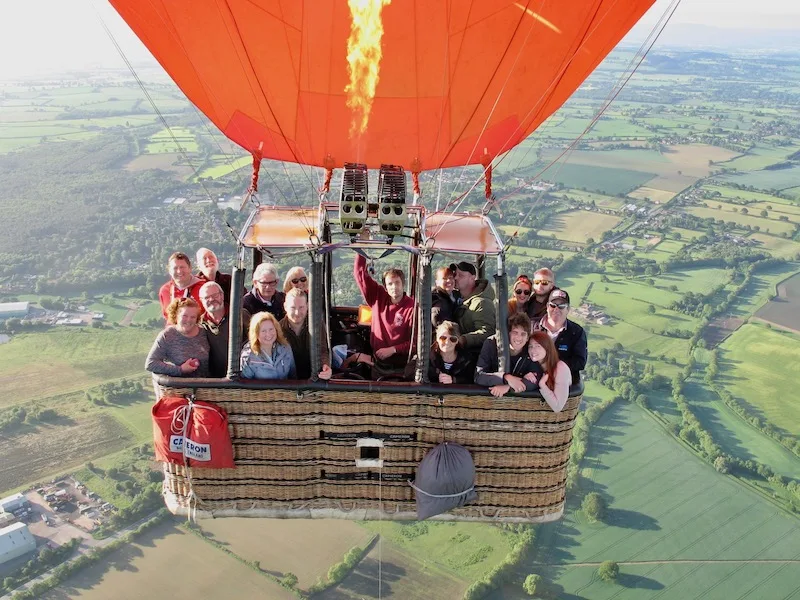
(267,355)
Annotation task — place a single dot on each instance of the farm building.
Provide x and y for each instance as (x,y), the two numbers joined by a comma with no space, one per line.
(15,540)
(11,503)
(10,310)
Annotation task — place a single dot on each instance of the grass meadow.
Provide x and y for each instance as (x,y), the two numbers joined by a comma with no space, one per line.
(464,550)
(668,514)
(605,180)
(579,225)
(39,365)
(778,179)
(307,548)
(747,367)
(778,247)
(733,434)
(168,562)
(224,165)
(402,577)
(758,157)
(767,225)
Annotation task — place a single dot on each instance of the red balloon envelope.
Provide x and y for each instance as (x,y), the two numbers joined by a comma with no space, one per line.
(418,84)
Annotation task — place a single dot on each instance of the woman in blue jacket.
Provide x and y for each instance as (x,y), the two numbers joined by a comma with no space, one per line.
(267,355)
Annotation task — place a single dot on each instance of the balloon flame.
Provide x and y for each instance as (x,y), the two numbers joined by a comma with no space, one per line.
(364,59)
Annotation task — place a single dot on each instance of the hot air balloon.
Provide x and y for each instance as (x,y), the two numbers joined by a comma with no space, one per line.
(400,87)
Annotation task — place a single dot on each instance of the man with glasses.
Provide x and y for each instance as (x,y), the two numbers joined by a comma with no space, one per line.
(544,282)
(265,297)
(209,271)
(182,283)
(216,322)
(568,336)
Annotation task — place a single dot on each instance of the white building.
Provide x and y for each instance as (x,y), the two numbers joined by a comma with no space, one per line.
(14,309)
(13,502)
(15,540)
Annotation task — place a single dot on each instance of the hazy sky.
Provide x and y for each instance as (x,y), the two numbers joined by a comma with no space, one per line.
(58,35)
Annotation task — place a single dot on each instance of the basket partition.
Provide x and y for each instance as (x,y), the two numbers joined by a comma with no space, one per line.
(296,450)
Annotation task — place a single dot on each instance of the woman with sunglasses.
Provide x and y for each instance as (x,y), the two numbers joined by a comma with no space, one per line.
(296,278)
(556,378)
(448,364)
(521,293)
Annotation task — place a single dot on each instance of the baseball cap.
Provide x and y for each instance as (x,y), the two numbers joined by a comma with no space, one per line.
(464,266)
(557,295)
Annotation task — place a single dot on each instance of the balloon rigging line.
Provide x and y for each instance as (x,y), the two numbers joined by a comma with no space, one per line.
(494,105)
(489,116)
(228,159)
(446,88)
(307,224)
(135,75)
(619,82)
(660,26)
(545,94)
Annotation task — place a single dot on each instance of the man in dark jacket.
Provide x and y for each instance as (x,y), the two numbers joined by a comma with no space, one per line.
(265,297)
(568,336)
(444,297)
(216,322)
(488,373)
(476,315)
(295,329)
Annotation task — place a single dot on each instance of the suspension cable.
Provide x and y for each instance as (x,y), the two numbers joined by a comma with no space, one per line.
(615,91)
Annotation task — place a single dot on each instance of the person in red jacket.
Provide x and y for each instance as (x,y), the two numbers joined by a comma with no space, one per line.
(392,317)
(182,283)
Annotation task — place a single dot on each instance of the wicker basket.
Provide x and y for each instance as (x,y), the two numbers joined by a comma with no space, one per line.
(296,453)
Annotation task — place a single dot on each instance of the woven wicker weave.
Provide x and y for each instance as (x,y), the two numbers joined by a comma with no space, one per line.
(296,454)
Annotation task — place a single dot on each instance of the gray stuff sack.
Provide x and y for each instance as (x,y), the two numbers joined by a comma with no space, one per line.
(445,480)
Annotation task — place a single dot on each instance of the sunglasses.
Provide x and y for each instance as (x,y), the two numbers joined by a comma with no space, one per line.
(452,338)
(541,282)
(558,306)
(521,292)
(273,282)
(299,280)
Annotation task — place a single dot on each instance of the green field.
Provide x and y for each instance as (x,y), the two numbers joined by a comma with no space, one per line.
(168,562)
(605,180)
(579,225)
(61,360)
(151,310)
(466,550)
(165,142)
(766,225)
(778,179)
(746,195)
(733,434)
(749,358)
(670,510)
(778,247)
(225,166)
(758,157)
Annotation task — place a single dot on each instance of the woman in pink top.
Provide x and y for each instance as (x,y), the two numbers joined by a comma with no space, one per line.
(554,384)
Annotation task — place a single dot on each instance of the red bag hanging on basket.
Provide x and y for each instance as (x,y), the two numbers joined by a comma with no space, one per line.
(208,442)
(169,428)
(191,432)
